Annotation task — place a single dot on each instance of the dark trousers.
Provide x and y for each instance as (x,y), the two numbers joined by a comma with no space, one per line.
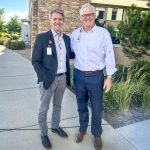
(89,86)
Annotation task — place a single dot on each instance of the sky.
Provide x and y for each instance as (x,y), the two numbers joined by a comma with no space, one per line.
(15,7)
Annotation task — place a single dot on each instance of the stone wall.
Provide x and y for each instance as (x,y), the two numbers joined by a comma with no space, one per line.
(120,56)
(39,15)
(33,21)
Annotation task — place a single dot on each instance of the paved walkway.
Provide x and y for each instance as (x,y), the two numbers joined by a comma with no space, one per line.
(19,102)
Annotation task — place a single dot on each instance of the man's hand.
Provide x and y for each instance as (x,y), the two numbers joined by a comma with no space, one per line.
(107,84)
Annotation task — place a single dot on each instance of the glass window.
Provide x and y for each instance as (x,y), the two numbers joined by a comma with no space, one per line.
(114,15)
(101,14)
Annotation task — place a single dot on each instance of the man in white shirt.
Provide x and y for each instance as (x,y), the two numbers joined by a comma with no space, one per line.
(93,50)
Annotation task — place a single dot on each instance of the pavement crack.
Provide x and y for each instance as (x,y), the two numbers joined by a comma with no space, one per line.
(18,89)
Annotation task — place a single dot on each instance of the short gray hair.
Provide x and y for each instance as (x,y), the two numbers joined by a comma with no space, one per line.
(87,5)
(56,10)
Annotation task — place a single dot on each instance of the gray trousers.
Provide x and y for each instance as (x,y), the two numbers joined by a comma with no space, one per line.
(56,90)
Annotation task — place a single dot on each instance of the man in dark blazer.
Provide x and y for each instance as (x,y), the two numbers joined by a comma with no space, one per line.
(50,59)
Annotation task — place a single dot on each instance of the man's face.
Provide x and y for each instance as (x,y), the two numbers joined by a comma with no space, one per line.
(57,22)
(88,18)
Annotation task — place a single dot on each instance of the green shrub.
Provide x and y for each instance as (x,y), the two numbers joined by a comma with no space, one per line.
(14,36)
(146,98)
(131,87)
(140,70)
(4,34)
(110,104)
(15,45)
(134,33)
(123,95)
(120,74)
(111,30)
(71,75)
(120,97)
(3,40)
(1,34)
(21,45)
(137,97)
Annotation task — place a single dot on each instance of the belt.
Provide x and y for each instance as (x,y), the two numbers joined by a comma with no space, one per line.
(60,74)
(90,72)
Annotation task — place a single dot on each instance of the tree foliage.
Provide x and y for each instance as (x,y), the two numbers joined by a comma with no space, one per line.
(2,11)
(3,27)
(134,33)
(111,30)
(14,25)
(1,24)
(1,20)
(10,30)
(148,4)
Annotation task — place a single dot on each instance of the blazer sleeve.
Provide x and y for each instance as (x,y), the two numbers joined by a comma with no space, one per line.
(37,56)
(71,53)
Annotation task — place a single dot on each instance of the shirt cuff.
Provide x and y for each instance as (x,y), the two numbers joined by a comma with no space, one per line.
(110,72)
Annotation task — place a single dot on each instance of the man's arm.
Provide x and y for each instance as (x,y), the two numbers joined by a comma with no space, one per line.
(109,62)
(37,55)
(71,53)
(107,84)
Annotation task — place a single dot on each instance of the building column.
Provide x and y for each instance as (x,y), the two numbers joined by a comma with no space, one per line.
(34,22)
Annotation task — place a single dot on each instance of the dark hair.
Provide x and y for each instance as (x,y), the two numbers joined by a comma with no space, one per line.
(56,10)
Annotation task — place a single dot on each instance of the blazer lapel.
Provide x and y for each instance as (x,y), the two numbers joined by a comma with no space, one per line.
(66,43)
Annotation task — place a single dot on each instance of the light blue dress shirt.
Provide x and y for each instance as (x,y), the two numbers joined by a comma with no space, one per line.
(93,50)
(61,52)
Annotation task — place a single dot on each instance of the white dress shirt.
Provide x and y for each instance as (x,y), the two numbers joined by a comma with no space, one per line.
(61,52)
(93,50)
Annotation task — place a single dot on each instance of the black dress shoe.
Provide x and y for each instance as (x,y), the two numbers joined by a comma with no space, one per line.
(46,142)
(60,132)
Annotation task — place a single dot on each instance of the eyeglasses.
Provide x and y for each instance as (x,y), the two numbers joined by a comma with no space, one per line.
(88,15)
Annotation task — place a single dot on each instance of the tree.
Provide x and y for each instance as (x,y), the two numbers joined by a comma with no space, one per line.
(134,33)
(148,4)
(3,27)
(1,24)
(14,25)
(2,11)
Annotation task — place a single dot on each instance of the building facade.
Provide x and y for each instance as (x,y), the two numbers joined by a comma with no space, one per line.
(26,32)
(112,12)
(109,11)
(39,15)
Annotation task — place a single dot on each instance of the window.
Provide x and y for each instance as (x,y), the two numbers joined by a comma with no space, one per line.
(101,14)
(114,14)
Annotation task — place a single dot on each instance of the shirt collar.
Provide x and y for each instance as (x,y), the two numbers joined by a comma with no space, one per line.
(55,34)
(92,30)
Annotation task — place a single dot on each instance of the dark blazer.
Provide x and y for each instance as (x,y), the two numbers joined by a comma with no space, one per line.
(46,65)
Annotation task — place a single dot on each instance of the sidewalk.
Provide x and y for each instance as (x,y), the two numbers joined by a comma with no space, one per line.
(19,102)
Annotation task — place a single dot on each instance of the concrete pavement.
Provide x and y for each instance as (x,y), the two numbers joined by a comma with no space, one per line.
(19,102)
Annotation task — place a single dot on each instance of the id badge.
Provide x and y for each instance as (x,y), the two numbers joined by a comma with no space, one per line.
(49,51)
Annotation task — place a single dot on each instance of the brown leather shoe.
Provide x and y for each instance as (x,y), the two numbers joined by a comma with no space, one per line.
(79,137)
(97,143)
